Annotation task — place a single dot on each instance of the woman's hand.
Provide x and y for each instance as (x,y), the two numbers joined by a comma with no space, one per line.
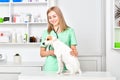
(51,52)
(74,51)
(44,53)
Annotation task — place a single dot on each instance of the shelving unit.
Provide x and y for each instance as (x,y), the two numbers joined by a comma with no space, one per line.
(27,20)
(116,25)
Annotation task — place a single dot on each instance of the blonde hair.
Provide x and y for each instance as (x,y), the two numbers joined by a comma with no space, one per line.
(62,22)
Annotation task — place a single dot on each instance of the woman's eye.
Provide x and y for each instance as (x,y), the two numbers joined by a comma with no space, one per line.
(54,16)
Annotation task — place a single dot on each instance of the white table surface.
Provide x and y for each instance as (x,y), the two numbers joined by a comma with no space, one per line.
(54,76)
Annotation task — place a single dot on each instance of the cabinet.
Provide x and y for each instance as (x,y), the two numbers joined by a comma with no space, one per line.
(88,63)
(12,71)
(9,76)
(116,26)
(23,22)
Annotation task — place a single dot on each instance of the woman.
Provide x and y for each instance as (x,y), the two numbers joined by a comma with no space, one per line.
(57,27)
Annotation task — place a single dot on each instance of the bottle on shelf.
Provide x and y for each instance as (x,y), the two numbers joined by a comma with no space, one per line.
(19,38)
(14,40)
(25,36)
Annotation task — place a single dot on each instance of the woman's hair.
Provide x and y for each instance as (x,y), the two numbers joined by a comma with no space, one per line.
(62,22)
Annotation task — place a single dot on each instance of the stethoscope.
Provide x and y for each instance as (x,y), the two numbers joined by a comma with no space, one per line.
(56,32)
(56,36)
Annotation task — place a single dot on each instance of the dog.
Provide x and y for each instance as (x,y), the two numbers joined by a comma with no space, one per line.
(62,53)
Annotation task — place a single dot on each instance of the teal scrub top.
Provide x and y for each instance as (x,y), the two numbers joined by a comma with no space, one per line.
(67,37)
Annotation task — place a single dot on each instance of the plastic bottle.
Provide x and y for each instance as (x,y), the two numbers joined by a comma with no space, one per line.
(19,38)
(25,38)
(14,36)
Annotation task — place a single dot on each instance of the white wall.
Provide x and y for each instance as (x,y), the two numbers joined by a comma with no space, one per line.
(85,17)
(112,55)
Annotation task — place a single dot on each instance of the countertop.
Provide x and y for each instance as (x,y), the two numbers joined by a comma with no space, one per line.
(53,76)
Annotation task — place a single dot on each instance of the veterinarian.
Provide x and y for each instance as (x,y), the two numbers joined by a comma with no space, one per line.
(57,27)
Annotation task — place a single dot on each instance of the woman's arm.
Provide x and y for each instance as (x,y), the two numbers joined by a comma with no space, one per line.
(44,53)
(74,51)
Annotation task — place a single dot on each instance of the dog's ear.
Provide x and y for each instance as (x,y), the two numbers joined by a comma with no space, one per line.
(49,38)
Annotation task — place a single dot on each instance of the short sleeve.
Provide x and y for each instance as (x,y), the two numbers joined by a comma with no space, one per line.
(73,40)
(44,35)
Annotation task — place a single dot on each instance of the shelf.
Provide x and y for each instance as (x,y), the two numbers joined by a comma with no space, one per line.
(4,3)
(27,3)
(22,23)
(117,27)
(116,48)
(12,43)
(33,43)
(20,43)
(22,3)
(37,23)
(12,23)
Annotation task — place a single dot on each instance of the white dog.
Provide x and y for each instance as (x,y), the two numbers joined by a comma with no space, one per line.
(62,52)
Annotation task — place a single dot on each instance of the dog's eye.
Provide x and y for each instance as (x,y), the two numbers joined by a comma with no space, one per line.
(48,39)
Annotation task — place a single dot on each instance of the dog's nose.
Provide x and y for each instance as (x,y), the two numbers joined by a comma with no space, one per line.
(43,43)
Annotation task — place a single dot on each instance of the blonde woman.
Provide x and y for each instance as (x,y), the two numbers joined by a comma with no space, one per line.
(57,27)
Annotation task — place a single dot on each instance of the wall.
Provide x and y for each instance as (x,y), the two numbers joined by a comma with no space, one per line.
(87,18)
(112,55)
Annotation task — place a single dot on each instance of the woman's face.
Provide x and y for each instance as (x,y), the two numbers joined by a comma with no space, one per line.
(53,18)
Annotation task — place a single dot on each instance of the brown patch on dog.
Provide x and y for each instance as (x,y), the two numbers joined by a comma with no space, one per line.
(49,38)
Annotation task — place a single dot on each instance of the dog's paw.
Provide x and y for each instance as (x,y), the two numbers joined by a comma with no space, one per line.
(80,72)
(58,72)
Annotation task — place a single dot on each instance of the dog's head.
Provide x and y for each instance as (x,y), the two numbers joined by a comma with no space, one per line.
(49,40)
